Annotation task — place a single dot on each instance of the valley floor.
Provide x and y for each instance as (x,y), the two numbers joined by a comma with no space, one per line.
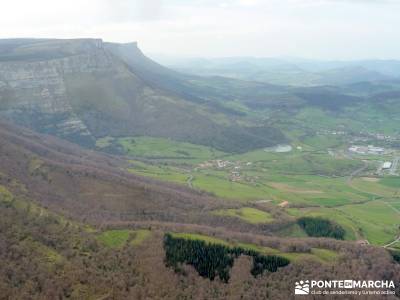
(305,181)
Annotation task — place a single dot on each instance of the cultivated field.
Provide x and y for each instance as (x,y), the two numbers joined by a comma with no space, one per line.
(307,181)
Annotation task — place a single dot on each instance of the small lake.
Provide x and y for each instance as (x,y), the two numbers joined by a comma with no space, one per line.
(279,149)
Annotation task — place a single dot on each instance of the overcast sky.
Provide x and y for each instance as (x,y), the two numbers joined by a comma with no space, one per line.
(327,29)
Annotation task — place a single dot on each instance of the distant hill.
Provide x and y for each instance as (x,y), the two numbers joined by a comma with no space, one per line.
(294,72)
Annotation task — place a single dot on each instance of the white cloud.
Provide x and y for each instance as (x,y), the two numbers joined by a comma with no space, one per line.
(317,28)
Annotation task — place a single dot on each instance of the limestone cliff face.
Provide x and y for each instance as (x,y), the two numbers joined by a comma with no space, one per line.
(34,93)
(84,89)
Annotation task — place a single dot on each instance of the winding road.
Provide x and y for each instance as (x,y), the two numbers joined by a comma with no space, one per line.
(356,172)
(391,243)
(395,164)
(189,181)
(362,169)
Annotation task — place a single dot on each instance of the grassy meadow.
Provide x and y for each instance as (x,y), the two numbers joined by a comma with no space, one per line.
(248,214)
(374,221)
(119,238)
(161,148)
(307,181)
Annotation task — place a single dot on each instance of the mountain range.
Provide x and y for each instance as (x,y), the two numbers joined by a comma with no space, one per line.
(290,71)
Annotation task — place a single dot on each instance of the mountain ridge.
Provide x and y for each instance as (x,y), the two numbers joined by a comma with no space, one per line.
(95,91)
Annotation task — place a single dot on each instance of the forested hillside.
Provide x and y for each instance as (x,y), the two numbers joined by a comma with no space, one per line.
(45,256)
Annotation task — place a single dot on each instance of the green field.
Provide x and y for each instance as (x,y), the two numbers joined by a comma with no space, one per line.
(248,214)
(266,179)
(374,221)
(119,238)
(161,172)
(139,236)
(114,238)
(378,222)
(195,236)
(308,177)
(396,205)
(392,182)
(160,148)
(375,186)
(222,187)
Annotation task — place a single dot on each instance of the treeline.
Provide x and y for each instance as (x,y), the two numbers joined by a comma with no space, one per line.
(212,260)
(319,227)
(396,255)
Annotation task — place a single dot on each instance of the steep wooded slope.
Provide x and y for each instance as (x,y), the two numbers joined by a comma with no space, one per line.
(87,185)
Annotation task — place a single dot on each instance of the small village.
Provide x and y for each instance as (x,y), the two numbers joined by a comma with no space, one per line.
(234,168)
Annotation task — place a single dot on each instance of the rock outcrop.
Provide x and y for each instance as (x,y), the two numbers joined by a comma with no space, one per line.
(33,92)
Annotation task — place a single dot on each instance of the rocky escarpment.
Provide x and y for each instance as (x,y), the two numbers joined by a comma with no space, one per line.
(34,93)
(76,89)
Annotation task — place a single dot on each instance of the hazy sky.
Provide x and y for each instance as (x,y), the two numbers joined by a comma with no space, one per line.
(337,29)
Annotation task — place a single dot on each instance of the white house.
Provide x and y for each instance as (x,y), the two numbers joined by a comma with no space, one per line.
(387,165)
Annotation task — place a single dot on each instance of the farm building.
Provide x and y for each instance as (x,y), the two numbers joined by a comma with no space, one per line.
(367,150)
(387,165)
(375,150)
